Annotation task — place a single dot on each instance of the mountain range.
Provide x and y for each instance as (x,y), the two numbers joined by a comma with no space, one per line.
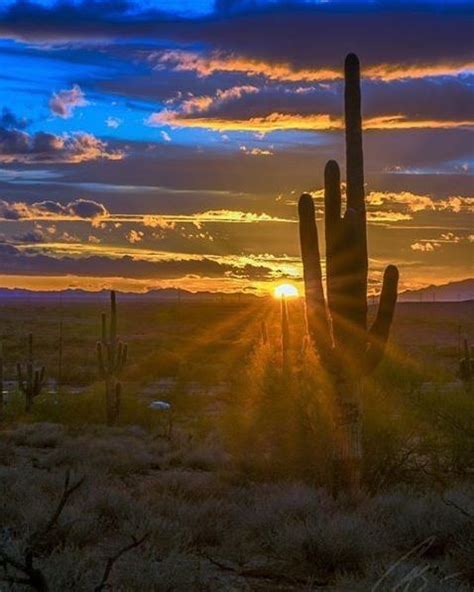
(459,291)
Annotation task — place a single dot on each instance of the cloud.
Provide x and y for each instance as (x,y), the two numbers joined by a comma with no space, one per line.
(386,217)
(425,247)
(9,120)
(33,236)
(169,221)
(256,151)
(166,137)
(284,121)
(134,236)
(205,65)
(14,261)
(19,146)
(63,103)
(204,104)
(409,202)
(79,209)
(113,122)
(399,31)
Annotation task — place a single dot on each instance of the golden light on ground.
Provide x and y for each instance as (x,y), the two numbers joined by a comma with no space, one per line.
(285,290)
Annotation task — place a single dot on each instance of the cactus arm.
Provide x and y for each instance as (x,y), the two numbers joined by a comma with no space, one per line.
(356,254)
(30,347)
(42,376)
(103,319)
(378,334)
(316,314)
(36,387)
(124,356)
(353,119)
(21,382)
(118,357)
(334,228)
(100,359)
(113,318)
(467,351)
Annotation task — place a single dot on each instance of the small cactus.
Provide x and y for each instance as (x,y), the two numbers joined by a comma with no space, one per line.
(111,359)
(32,383)
(466,367)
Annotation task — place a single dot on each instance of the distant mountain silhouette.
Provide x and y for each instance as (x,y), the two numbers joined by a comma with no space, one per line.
(452,292)
(85,295)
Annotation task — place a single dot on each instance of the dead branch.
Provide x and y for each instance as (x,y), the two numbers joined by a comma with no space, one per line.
(34,577)
(104,583)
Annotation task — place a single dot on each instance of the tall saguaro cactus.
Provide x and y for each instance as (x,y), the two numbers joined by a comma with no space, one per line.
(32,383)
(337,325)
(111,358)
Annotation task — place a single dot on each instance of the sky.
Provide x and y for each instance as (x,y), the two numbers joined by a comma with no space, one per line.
(164,143)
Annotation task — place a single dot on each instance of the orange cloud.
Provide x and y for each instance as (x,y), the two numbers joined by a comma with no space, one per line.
(79,209)
(202,104)
(283,121)
(206,65)
(412,202)
(425,247)
(390,72)
(203,66)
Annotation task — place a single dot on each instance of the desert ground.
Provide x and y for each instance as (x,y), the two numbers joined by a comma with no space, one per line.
(226,490)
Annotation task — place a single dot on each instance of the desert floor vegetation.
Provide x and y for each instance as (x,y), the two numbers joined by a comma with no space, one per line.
(231,494)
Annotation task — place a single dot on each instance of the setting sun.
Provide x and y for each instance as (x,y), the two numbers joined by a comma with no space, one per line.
(285,290)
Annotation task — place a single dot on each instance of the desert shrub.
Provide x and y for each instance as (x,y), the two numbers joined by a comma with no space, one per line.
(119,454)
(81,409)
(283,416)
(409,520)
(207,454)
(38,435)
(327,544)
(7,453)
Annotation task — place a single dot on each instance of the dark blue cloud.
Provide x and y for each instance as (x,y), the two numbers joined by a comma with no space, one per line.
(302,33)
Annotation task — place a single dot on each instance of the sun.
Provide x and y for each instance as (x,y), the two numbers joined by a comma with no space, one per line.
(286,291)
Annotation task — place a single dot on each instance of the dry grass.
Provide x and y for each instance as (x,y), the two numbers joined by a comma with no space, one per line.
(206,531)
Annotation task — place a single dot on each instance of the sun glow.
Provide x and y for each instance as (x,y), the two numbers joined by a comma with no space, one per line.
(285,290)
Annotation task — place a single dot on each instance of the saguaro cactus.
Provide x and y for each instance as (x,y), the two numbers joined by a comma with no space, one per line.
(337,326)
(111,358)
(466,367)
(1,380)
(34,380)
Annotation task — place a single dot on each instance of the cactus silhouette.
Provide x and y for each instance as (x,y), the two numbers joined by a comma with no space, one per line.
(337,326)
(466,367)
(32,383)
(111,358)
(285,333)
(1,380)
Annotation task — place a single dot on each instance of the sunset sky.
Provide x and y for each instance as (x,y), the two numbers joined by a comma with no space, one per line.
(158,143)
